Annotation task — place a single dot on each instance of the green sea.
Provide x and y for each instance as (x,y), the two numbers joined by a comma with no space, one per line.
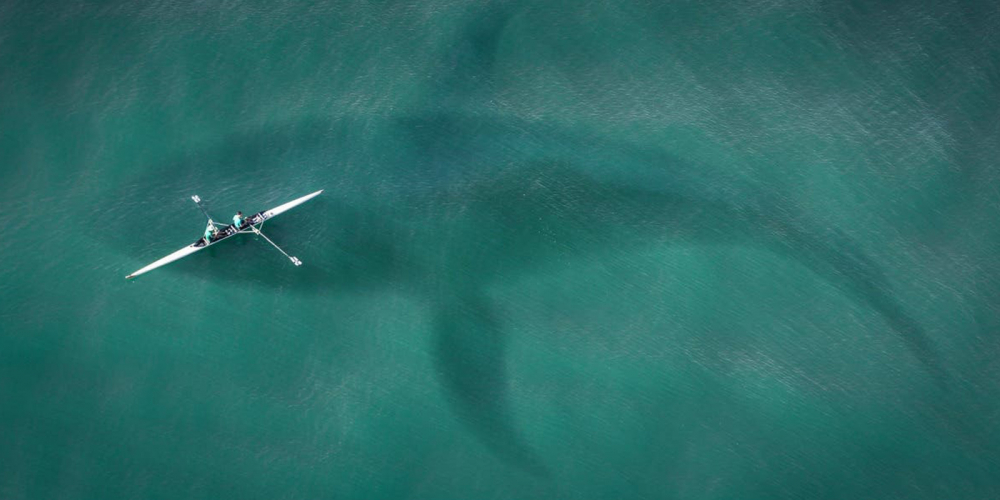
(729,250)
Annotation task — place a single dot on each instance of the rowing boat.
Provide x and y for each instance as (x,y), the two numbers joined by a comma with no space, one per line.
(251,224)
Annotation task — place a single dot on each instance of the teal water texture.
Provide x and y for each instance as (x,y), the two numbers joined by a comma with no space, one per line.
(698,250)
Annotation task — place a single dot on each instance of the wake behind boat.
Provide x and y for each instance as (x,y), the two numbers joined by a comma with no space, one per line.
(251,224)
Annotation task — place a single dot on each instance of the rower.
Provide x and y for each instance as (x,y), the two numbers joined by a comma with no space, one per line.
(238,220)
(210,232)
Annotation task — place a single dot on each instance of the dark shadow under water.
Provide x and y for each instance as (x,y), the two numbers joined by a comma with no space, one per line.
(533,207)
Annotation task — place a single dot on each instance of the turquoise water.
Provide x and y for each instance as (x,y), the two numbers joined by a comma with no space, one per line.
(698,250)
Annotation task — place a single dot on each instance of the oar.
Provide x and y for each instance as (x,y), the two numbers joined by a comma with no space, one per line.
(197,201)
(294,260)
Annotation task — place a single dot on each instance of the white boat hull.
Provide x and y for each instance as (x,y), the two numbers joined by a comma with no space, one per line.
(231,230)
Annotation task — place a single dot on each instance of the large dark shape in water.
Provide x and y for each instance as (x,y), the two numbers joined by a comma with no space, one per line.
(541,208)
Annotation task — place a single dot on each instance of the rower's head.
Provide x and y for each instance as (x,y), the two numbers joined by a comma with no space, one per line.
(239,213)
